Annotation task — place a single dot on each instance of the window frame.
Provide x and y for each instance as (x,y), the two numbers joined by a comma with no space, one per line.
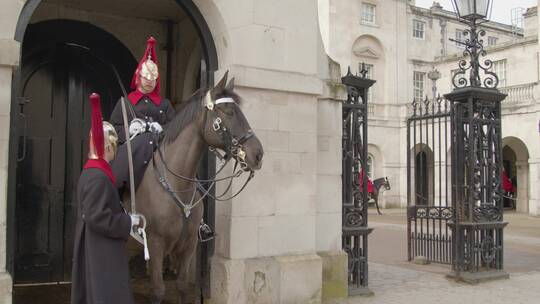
(419,86)
(415,29)
(368,15)
(492,38)
(461,39)
(497,67)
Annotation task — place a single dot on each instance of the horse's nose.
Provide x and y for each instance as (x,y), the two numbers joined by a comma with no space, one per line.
(259,157)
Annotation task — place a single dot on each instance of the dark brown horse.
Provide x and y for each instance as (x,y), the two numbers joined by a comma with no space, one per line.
(168,196)
(377,185)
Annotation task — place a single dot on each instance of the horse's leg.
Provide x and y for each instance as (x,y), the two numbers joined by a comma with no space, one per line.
(185,284)
(156,247)
(377,203)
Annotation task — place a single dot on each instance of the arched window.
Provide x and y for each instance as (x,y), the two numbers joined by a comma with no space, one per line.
(370,168)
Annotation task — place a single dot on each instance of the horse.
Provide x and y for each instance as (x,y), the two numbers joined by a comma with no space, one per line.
(377,185)
(169,194)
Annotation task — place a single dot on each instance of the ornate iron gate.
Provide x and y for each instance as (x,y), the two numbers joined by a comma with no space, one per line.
(430,207)
(354,180)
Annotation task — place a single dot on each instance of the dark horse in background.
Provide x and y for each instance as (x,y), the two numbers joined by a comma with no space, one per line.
(376,190)
(170,196)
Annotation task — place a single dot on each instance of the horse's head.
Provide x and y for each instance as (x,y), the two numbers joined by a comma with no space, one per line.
(226,127)
(386,183)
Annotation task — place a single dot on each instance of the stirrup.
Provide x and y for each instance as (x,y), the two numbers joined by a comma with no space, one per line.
(205,233)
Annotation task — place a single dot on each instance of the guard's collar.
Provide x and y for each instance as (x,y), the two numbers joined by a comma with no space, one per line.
(135,96)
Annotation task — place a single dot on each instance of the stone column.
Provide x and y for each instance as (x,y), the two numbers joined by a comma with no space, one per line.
(534,195)
(522,200)
(9,58)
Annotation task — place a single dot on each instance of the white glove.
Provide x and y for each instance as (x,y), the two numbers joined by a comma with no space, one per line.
(136,127)
(155,127)
(135,220)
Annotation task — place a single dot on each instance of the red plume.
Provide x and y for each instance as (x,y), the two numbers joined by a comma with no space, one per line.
(97,125)
(154,95)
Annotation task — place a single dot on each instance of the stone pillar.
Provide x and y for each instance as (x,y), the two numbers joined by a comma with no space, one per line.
(9,58)
(522,200)
(328,217)
(534,194)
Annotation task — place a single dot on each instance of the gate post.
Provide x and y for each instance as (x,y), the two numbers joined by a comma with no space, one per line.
(476,167)
(355,229)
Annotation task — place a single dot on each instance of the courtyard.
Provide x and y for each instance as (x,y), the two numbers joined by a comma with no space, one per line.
(395,280)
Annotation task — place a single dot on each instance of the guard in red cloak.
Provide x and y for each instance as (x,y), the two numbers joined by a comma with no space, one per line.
(100,261)
(369,182)
(507,185)
(148,114)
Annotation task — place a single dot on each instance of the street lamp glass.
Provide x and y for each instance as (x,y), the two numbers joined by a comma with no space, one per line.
(472,9)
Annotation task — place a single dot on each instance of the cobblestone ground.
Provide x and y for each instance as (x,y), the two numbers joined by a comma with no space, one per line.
(394,280)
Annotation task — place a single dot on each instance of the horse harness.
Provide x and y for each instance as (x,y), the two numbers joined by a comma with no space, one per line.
(234,150)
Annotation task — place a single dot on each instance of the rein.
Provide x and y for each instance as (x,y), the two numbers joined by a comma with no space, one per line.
(234,150)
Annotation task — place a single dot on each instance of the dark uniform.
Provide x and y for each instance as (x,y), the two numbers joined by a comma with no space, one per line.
(149,107)
(100,261)
(142,145)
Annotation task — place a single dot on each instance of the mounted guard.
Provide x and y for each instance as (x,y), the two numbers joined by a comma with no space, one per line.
(148,115)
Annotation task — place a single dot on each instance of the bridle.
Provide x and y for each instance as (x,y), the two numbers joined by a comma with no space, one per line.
(233,144)
(233,150)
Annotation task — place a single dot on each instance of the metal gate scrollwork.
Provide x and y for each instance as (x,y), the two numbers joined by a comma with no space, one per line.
(355,229)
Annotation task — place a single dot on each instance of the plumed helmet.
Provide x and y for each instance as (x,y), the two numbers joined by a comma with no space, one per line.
(148,65)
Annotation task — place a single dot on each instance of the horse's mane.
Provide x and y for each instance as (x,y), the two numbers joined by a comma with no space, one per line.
(189,112)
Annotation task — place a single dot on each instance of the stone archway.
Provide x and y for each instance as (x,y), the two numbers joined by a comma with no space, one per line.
(40,10)
(516,164)
(423,159)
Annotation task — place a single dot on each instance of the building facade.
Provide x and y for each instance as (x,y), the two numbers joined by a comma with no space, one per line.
(400,44)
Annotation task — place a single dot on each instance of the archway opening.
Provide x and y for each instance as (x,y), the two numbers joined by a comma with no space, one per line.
(66,48)
(515,176)
(423,176)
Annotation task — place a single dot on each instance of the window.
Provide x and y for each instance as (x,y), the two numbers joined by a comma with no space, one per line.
(418,29)
(499,68)
(492,41)
(369,75)
(368,13)
(459,38)
(370,171)
(418,82)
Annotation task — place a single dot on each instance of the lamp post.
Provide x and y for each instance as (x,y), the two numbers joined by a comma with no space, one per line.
(434,75)
(476,156)
(473,13)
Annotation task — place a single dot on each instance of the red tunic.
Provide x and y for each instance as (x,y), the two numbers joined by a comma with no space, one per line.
(369,182)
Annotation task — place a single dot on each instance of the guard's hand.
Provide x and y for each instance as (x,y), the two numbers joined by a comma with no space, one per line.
(136,127)
(135,220)
(155,127)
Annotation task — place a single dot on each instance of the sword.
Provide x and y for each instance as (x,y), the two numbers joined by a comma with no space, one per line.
(139,235)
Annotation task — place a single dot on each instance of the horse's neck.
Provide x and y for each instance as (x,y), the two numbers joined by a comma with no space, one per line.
(182,156)
(378,183)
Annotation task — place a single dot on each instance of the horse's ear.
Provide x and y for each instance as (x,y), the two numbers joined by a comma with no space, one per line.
(230,85)
(221,84)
